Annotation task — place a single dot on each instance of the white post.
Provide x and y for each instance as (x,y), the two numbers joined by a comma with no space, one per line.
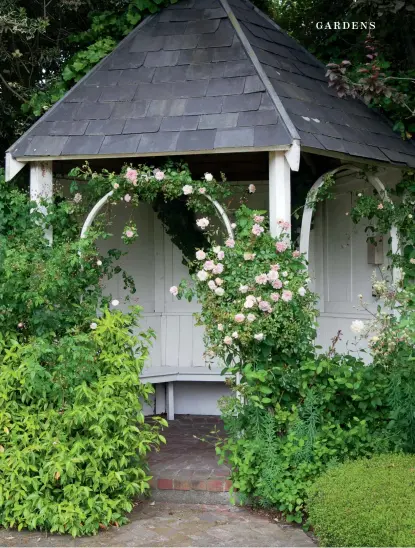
(279,192)
(41,187)
(170,401)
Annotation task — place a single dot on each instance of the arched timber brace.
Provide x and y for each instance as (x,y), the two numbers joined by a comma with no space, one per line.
(309,210)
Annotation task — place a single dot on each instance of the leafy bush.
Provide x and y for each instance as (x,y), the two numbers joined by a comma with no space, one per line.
(366,503)
(73,439)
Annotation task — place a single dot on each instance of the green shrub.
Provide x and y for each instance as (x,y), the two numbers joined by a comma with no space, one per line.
(366,503)
(73,440)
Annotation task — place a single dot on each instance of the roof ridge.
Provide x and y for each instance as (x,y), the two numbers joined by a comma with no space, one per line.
(288,123)
(80,82)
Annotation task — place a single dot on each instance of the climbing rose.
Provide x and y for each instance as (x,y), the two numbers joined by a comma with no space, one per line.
(251,189)
(235,335)
(259,336)
(219,291)
(273,275)
(380,206)
(251,318)
(287,295)
(221,255)
(187,189)
(202,275)
(275,297)
(127,198)
(261,279)
(239,318)
(174,290)
(243,288)
(99,263)
(129,233)
(357,327)
(285,225)
(301,291)
(159,175)
(230,242)
(93,325)
(218,281)
(211,285)
(77,198)
(227,340)
(208,177)
(220,326)
(250,301)
(249,256)
(116,185)
(265,306)
(412,261)
(131,175)
(233,225)
(275,267)
(200,255)
(202,223)
(209,265)
(20,325)
(216,249)
(296,254)
(281,246)
(258,218)
(257,230)
(218,269)
(202,190)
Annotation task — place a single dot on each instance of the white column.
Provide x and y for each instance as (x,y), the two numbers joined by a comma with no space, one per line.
(41,187)
(170,401)
(279,191)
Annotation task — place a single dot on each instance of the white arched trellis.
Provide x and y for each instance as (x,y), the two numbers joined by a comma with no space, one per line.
(101,203)
(309,210)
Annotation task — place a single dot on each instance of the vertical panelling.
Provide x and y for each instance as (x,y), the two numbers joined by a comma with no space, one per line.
(172,338)
(186,341)
(198,345)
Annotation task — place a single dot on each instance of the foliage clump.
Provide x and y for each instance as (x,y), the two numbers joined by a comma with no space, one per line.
(368,502)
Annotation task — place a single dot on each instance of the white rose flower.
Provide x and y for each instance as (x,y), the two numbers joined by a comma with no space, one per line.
(218,281)
(219,291)
(202,223)
(187,189)
(93,325)
(208,177)
(233,226)
(211,285)
(235,335)
(115,302)
(174,290)
(259,337)
(202,275)
(357,327)
(216,249)
(220,326)
(301,291)
(227,340)
(243,288)
(200,255)
(99,263)
(251,318)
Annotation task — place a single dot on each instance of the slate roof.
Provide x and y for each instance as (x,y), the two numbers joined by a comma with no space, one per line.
(208,75)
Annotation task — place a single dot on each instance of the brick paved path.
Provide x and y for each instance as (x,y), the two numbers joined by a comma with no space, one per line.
(168,524)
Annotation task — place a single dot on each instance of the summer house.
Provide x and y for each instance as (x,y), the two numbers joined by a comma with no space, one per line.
(219,84)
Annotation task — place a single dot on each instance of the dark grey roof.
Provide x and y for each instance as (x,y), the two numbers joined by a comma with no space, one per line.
(204,75)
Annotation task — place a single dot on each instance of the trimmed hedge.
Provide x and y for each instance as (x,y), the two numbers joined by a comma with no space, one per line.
(368,502)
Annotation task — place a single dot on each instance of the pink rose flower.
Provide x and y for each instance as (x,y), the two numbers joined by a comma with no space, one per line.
(257,230)
(200,255)
(264,306)
(249,256)
(261,279)
(380,206)
(227,340)
(285,225)
(275,266)
(287,295)
(281,246)
(296,254)
(202,190)
(116,185)
(159,175)
(221,255)
(275,297)
(211,285)
(218,268)
(174,290)
(259,218)
(218,281)
(230,242)
(131,175)
(209,265)
(273,275)
(129,233)
(239,318)
(127,198)
(277,284)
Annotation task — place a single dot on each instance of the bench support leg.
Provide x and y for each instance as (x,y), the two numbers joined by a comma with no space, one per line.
(170,401)
(160,398)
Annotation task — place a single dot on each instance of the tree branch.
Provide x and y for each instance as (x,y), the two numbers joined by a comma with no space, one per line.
(8,86)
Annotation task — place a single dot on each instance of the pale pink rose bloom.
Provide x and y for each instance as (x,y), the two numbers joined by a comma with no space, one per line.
(116,185)
(380,206)
(20,325)
(77,198)
(277,284)
(202,223)
(159,175)
(202,190)
(202,275)
(284,274)
(218,269)
(301,291)
(275,267)
(209,265)
(211,285)
(208,177)
(129,233)
(220,326)
(249,256)
(275,297)
(243,288)
(219,291)
(221,255)
(257,230)
(93,325)
(258,299)
(233,226)
(281,246)
(216,249)
(200,255)
(131,175)
(285,225)
(235,335)
(187,189)
(259,218)
(287,295)
(239,318)
(251,318)
(230,242)
(296,254)
(227,340)
(412,261)
(261,279)
(127,198)
(265,306)
(218,281)
(273,275)
(174,290)
(250,301)
(251,189)
(259,337)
